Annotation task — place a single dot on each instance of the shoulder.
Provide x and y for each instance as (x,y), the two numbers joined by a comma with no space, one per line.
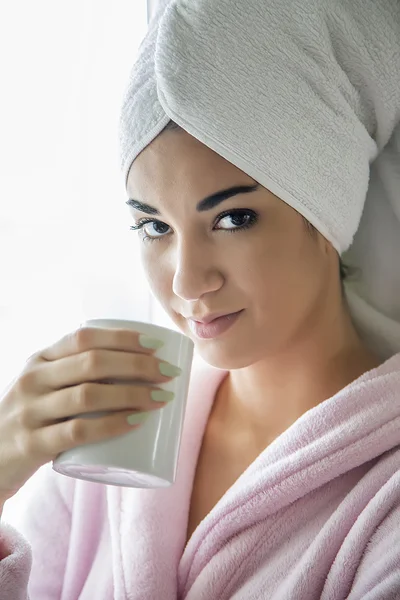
(378,570)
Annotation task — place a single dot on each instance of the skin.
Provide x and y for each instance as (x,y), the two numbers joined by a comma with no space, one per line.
(294,345)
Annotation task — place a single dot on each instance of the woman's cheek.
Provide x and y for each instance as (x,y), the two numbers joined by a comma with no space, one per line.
(159,277)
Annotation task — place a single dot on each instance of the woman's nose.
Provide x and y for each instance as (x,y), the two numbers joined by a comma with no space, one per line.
(195,272)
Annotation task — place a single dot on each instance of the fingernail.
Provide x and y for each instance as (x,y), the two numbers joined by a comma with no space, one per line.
(149,342)
(137,418)
(162,395)
(169,370)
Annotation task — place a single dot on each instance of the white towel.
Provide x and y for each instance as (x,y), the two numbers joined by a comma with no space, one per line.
(303,96)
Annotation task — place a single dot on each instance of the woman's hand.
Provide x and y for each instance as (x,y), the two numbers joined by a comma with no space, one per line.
(39,413)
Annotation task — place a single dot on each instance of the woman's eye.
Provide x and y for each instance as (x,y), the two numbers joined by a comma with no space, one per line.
(152,229)
(237,220)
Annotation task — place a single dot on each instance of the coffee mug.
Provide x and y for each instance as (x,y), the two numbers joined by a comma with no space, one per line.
(145,457)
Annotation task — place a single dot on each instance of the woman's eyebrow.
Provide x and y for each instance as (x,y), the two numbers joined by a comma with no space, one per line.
(146,208)
(215,199)
(206,204)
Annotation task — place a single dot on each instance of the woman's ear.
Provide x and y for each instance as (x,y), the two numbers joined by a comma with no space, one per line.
(324,244)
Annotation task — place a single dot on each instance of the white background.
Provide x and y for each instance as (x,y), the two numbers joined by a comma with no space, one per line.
(66,251)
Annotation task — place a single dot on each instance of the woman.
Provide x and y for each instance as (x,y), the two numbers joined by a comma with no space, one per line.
(288,478)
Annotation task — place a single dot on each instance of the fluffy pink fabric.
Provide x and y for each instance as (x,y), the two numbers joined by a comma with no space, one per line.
(316,516)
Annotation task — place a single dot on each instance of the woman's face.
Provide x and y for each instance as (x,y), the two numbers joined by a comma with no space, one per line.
(250,252)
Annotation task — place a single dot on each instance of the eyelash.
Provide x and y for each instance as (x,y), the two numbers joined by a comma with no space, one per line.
(243,211)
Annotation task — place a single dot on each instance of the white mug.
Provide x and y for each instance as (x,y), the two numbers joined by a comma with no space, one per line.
(145,457)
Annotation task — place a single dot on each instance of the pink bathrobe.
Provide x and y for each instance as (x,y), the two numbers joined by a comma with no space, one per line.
(315,516)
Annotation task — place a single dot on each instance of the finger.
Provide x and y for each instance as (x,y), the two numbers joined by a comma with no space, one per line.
(88,338)
(92,397)
(97,365)
(46,443)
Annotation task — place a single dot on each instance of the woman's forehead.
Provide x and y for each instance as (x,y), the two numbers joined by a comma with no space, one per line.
(177,158)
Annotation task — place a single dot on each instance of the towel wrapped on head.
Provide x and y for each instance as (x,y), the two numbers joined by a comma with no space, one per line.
(304,97)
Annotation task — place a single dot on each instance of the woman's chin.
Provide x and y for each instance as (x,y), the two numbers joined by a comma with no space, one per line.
(224,356)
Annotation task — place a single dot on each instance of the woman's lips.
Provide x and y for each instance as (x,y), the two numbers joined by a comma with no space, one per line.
(215,327)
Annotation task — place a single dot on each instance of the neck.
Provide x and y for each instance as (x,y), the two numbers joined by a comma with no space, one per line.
(265,398)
